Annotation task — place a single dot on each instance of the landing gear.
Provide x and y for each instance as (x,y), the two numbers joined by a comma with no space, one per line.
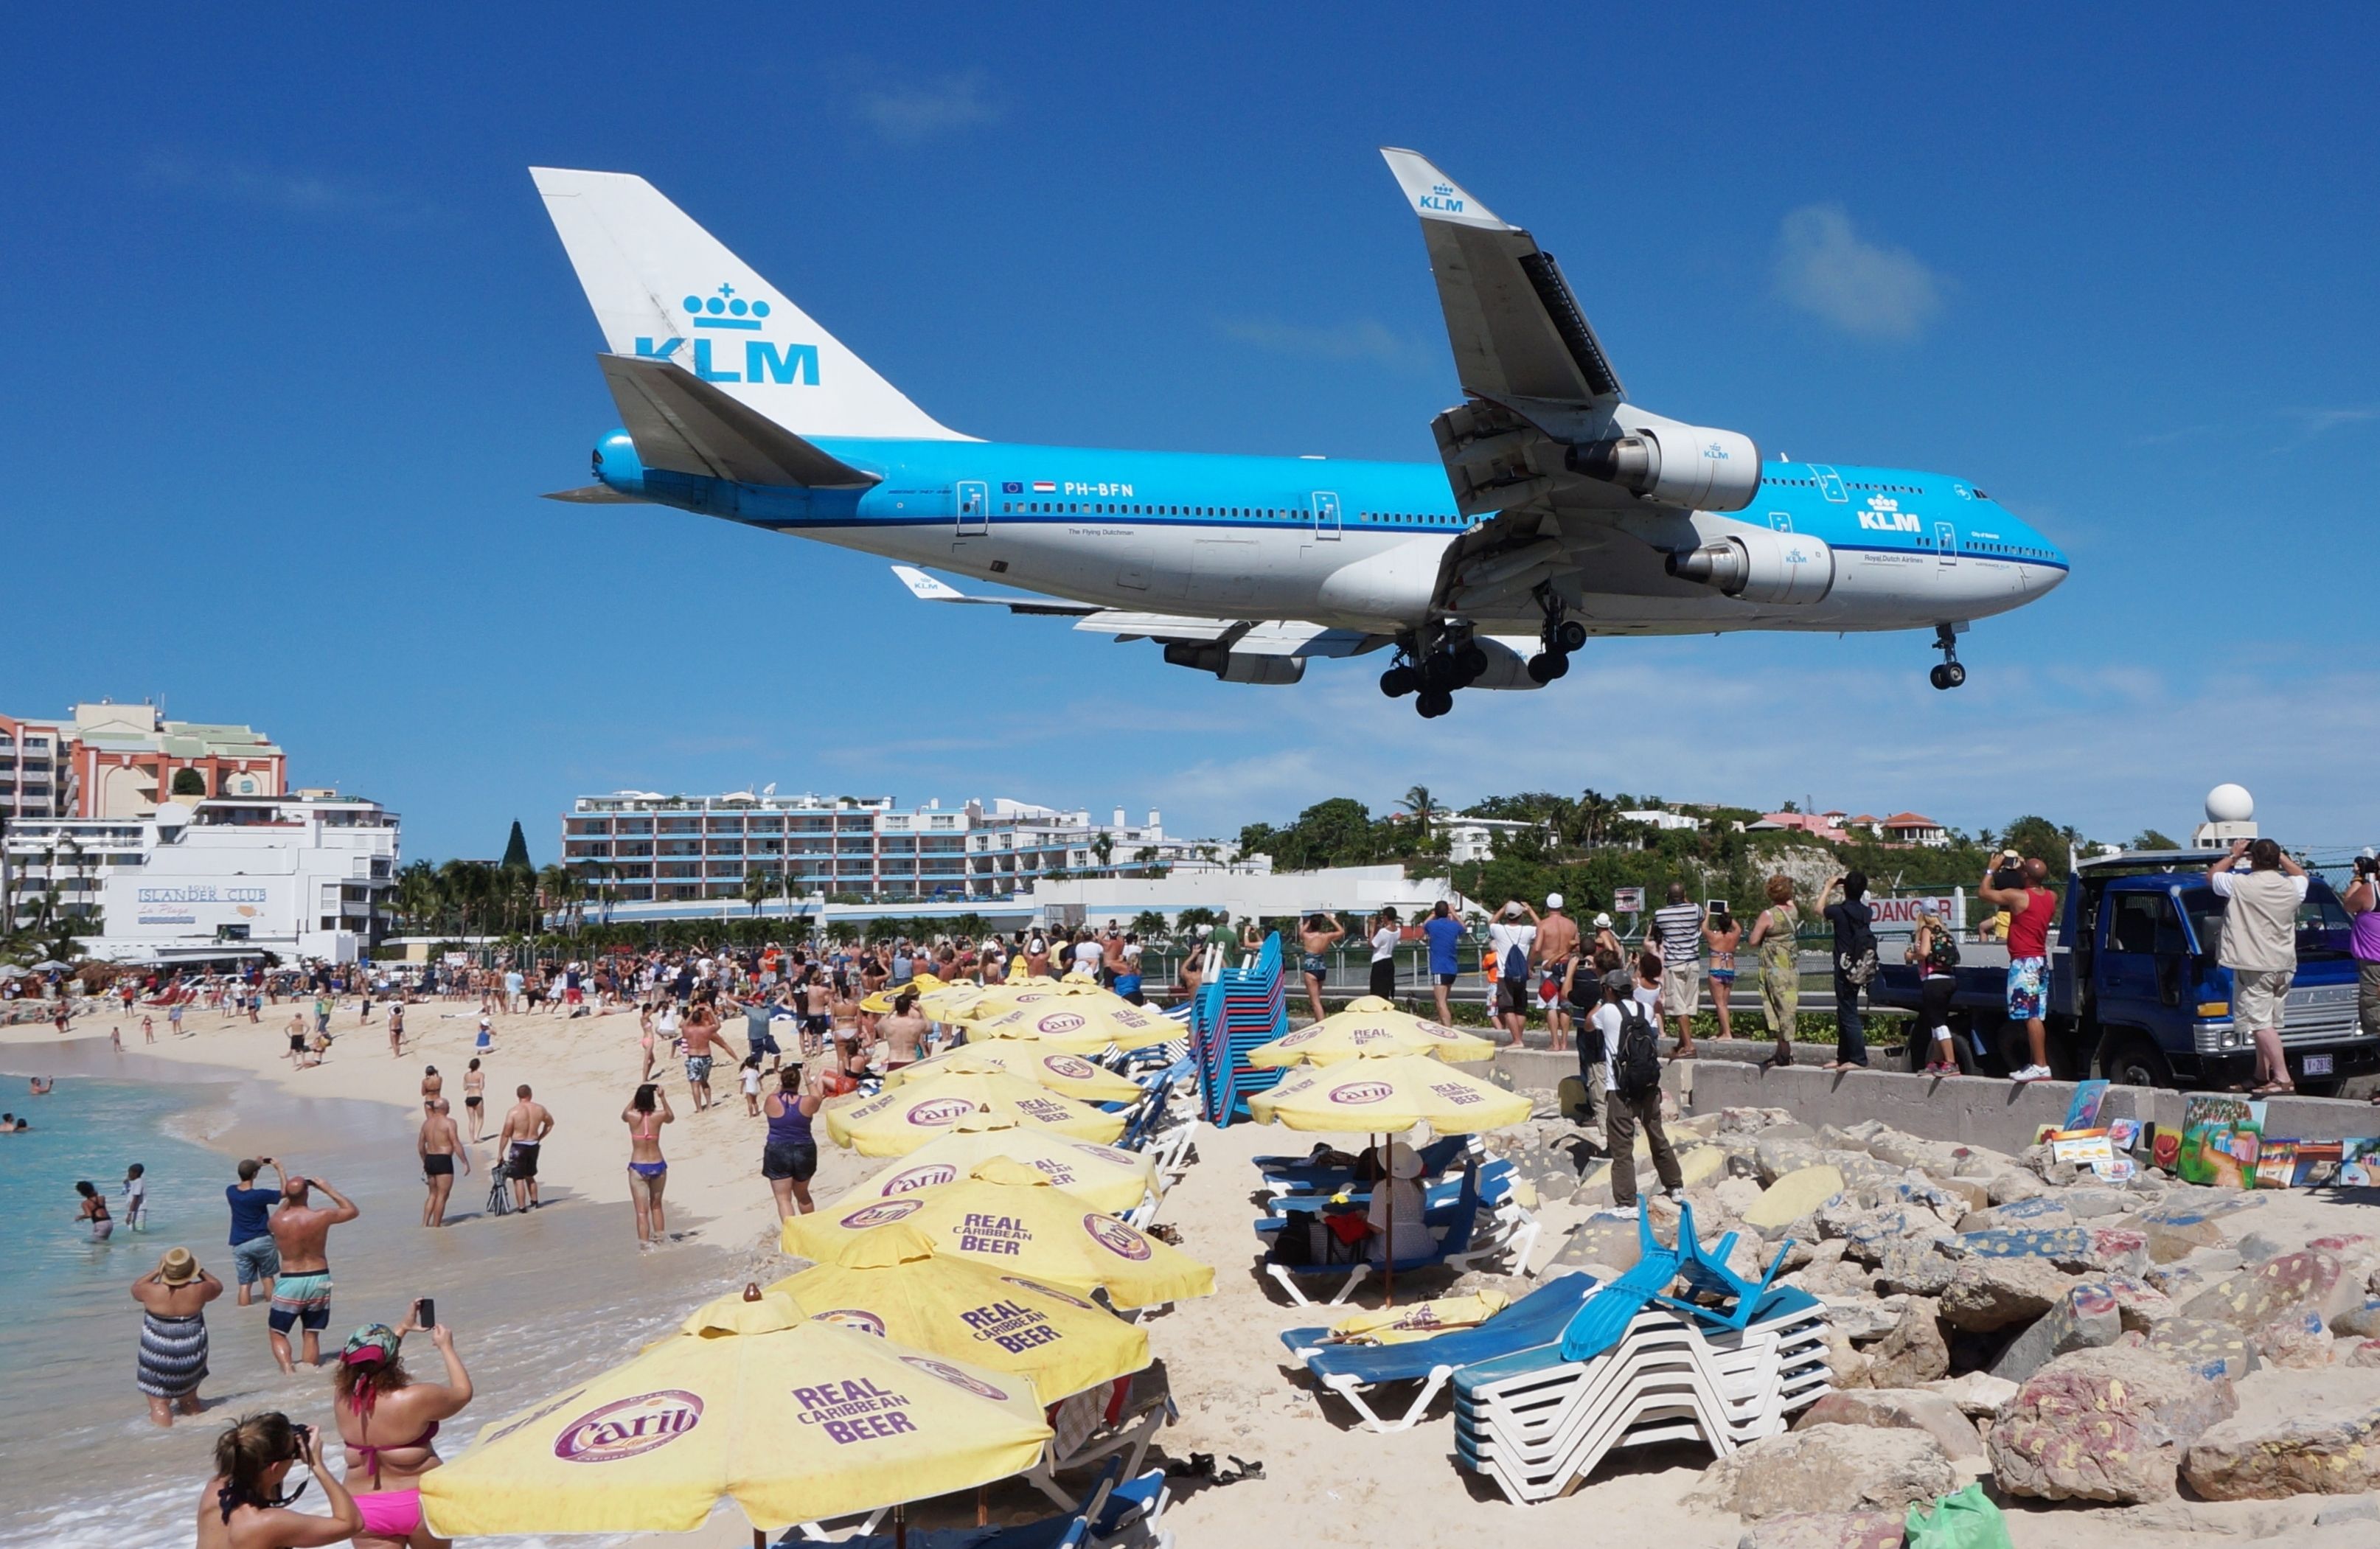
(1399,681)
(1434,702)
(1947,673)
(1546,666)
(1434,674)
(1559,638)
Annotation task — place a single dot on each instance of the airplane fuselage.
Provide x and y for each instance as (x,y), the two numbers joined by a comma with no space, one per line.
(1357,545)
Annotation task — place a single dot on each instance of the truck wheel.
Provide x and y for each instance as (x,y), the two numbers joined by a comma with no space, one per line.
(2132,1059)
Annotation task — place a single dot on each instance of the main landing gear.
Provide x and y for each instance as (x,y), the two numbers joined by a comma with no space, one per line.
(1433,678)
(1947,673)
(1561,637)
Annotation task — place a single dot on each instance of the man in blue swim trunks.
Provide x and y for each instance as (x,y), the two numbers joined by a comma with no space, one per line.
(301,1296)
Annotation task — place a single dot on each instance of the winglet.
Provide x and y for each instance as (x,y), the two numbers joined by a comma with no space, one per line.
(1436,197)
(925,587)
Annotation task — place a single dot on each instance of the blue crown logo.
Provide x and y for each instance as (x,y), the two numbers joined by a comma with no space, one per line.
(726,310)
(1443,190)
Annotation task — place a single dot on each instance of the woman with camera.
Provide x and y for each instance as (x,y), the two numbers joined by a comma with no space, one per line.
(388,1419)
(2363,940)
(244,1507)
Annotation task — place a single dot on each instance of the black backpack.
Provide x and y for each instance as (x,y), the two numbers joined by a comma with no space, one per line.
(1637,1063)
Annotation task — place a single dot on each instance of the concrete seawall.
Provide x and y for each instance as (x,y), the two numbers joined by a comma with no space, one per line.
(1974,1111)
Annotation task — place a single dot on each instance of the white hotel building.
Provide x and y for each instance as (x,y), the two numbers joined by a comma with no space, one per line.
(642,849)
(308,876)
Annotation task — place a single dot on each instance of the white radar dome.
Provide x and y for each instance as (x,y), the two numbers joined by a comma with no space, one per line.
(2229,803)
(173,814)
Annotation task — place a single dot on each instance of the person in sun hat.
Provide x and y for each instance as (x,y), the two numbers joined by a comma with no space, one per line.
(173,1359)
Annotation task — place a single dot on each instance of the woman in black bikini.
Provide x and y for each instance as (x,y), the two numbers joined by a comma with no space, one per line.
(94,1210)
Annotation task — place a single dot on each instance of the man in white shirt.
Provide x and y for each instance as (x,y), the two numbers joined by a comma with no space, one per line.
(1385,937)
(1624,1112)
(1509,942)
(2259,947)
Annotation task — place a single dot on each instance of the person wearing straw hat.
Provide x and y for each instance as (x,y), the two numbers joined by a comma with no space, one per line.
(173,1359)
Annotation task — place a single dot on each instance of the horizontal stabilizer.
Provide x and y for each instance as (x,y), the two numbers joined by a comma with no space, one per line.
(682,424)
(595,494)
(926,588)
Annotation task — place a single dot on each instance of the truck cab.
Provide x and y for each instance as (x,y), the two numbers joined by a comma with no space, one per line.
(2141,989)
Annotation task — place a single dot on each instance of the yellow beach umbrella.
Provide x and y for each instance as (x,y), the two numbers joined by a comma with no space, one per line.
(1383,1094)
(1368,1025)
(793,1419)
(1009,1214)
(1078,1025)
(950,1002)
(1103,1177)
(1419,1320)
(1069,1074)
(890,1282)
(897,1122)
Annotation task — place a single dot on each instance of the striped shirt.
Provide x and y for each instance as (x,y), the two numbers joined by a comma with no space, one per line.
(1682,931)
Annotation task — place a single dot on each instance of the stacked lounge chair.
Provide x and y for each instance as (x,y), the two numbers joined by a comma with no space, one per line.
(1235,1012)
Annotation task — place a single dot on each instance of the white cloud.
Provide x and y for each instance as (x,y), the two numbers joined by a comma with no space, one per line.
(911,114)
(296,193)
(1363,339)
(1827,268)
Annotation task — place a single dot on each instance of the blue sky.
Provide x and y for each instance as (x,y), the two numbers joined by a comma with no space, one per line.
(295,350)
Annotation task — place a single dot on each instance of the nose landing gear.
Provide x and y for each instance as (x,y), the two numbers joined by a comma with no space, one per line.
(1947,673)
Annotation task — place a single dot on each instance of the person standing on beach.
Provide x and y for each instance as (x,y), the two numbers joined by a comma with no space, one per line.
(789,1158)
(1555,949)
(253,1253)
(433,1086)
(147,1028)
(388,1419)
(905,1032)
(396,1029)
(301,1296)
(648,1110)
(2259,945)
(1444,932)
(525,1129)
(173,1359)
(2031,907)
(703,1047)
(1678,922)
(1316,936)
(1780,967)
(475,1096)
(1855,965)
(438,1144)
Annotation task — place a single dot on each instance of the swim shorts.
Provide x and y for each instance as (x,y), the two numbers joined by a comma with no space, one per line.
(697,1067)
(1314,963)
(259,1258)
(2026,978)
(522,1163)
(438,1164)
(796,1162)
(301,1298)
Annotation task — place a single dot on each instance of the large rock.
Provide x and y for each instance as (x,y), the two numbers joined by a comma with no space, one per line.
(2292,1437)
(1904,1409)
(2038,1213)
(2212,1350)
(1913,1352)
(1826,1530)
(2103,1425)
(2254,1297)
(1793,1195)
(2067,1247)
(1986,1294)
(2084,1318)
(1609,1241)
(1830,1468)
(2091,1203)
(1773,1158)
(1977,1392)
(1922,1268)
(1968,1192)
(2298,1340)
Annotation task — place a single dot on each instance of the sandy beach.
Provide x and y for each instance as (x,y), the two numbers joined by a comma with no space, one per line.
(1327,1482)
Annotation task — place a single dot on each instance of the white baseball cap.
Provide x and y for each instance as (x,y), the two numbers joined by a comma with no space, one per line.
(1553,901)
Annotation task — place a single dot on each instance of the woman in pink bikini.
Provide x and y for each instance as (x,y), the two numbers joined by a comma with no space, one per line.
(388,1421)
(644,1116)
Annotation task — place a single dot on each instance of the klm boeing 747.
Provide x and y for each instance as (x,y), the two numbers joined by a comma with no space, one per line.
(1560,510)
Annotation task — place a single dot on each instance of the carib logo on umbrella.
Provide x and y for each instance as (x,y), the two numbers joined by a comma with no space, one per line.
(1069,1067)
(1052,1292)
(909,1179)
(955,1377)
(857,1320)
(935,1112)
(882,1213)
(1062,1021)
(1116,1237)
(1356,1093)
(627,1427)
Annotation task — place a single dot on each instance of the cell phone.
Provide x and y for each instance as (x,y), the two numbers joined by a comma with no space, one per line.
(425,1313)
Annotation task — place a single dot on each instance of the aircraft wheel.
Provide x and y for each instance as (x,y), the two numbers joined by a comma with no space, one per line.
(1399,681)
(1953,674)
(1939,677)
(1570,636)
(1470,663)
(1434,702)
(1546,666)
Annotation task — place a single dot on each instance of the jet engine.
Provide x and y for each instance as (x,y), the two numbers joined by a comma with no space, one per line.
(1689,465)
(1236,667)
(1760,566)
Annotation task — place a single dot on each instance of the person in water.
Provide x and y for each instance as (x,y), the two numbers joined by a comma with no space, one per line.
(648,1172)
(388,1420)
(93,1210)
(244,1505)
(173,1359)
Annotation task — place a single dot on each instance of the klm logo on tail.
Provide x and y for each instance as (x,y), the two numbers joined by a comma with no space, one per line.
(1441,197)
(763,361)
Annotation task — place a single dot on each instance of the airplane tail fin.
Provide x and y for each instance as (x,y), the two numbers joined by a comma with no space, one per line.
(663,287)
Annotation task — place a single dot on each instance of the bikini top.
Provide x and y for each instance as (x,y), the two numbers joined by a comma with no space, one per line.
(370,1455)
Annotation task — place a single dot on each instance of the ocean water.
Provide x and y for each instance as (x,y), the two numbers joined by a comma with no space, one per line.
(535,1301)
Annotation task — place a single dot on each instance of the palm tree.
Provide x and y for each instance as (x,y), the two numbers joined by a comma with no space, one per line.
(1102,846)
(757,885)
(1423,805)
(1593,812)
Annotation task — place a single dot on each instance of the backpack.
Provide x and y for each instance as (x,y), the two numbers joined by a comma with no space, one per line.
(1945,954)
(1637,1063)
(1516,965)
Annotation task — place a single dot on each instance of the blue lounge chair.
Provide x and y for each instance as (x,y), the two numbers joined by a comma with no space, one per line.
(1534,1323)
(1112,1510)
(1296,1175)
(1453,1249)
(1603,1320)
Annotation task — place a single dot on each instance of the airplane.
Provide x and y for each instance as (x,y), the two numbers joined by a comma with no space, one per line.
(1560,510)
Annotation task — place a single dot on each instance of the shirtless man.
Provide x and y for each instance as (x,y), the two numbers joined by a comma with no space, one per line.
(818,1013)
(301,1292)
(525,1129)
(1037,955)
(1556,946)
(703,1047)
(433,1086)
(437,1145)
(904,1033)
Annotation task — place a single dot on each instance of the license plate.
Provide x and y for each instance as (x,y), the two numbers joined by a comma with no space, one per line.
(2317,1064)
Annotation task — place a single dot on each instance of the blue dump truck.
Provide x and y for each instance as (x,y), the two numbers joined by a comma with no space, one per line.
(2135,994)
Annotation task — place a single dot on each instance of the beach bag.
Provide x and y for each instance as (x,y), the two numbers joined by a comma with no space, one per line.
(1963,1520)
(1636,1064)
(1515,965)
